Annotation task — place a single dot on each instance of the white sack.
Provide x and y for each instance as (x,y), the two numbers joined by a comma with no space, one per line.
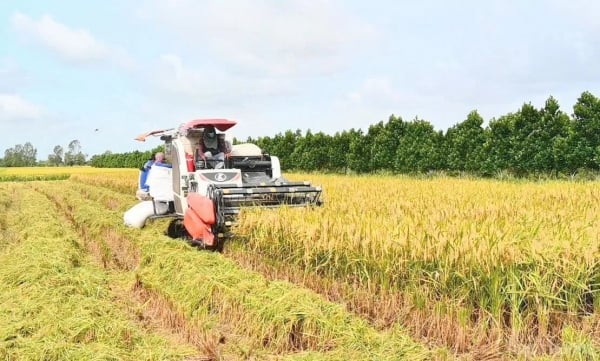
(136,216)
(160,181)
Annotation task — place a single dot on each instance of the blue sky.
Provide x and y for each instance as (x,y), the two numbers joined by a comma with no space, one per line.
(124,67)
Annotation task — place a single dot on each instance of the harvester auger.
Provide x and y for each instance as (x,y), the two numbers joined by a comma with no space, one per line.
(204,195)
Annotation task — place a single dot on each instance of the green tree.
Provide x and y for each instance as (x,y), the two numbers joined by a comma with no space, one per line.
(527,140)
(340,150)
(359,153)
(56,158)
(133,159)
(553,138)
(385,142)
(21,155)
(464,144)
(375,142)
(74,155)
(312,151)
(283,145)
(585,140)
(419,148)
(498,146)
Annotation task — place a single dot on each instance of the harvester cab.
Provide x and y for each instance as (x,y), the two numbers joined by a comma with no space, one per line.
(209,189)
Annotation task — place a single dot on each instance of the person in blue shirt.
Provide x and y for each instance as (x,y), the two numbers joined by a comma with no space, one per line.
(148,164)
(157,160)
(144,173)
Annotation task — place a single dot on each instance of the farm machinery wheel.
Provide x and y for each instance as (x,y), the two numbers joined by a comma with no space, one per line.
(176,230)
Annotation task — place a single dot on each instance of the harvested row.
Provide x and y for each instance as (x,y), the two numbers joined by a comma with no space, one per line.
(9,201)
(254,316)
(483,267)
(107,246)
(55,303)
(120,254)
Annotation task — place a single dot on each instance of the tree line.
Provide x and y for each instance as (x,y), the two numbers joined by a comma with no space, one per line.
(25,155)
(134,159)
(529,141)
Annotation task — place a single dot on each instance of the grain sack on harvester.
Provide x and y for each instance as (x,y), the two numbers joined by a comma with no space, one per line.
(208,181)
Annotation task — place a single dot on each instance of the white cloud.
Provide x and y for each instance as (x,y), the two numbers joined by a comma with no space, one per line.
(15,108)
(377,97)
(175,78)
(210,86)
(379,91)
(72,45)
(269,37)
(250,60)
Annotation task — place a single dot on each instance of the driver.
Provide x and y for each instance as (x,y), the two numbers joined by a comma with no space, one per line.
(212,148)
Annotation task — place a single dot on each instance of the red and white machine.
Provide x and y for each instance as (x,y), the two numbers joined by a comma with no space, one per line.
(205,200)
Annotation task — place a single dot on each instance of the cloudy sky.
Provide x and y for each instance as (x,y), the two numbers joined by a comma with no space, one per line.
(124,67)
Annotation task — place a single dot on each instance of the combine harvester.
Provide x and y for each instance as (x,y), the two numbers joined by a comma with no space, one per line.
(204,200)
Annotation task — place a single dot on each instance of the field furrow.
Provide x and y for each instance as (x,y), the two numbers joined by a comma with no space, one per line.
(114,251)
(56,304)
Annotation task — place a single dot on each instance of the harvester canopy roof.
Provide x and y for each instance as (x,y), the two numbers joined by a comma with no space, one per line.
(220,124)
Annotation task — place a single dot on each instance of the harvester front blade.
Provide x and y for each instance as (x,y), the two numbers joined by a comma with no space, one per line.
(229,200)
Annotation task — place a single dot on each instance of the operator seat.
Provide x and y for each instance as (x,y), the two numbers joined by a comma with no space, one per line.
(210,164)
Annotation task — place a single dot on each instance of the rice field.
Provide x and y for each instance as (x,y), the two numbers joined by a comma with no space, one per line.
(390,268)
(468,264)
